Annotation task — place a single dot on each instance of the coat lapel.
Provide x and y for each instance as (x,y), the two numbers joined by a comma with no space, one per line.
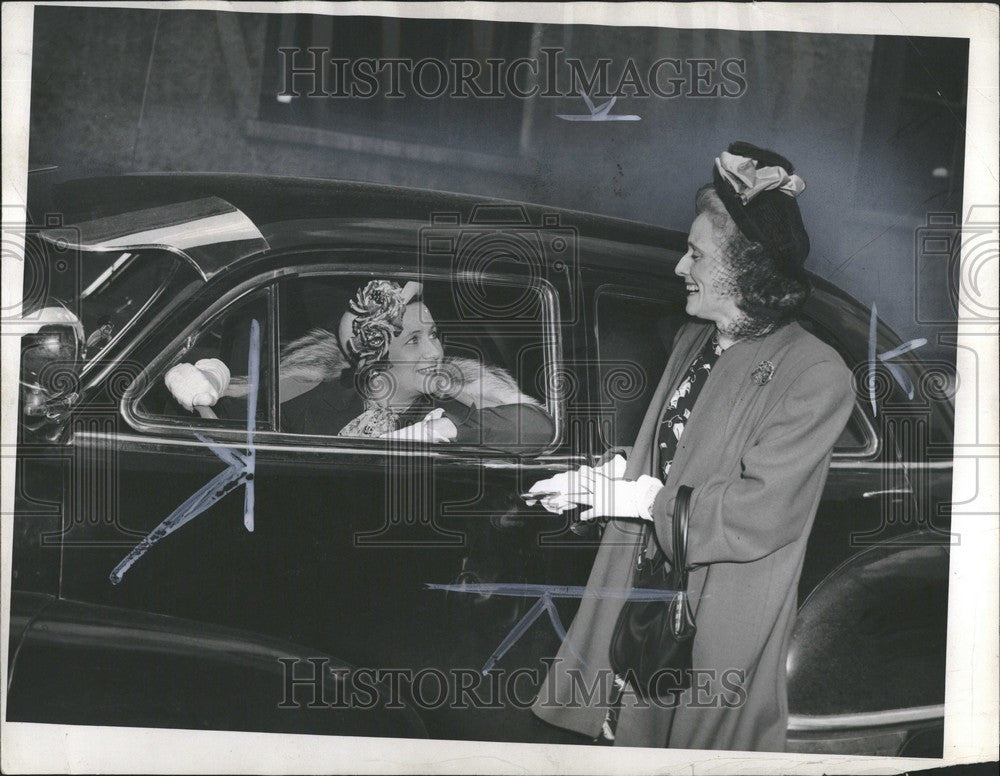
(725,389)
(730,386)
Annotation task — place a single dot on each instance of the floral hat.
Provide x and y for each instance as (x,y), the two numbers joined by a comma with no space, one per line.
(373,318)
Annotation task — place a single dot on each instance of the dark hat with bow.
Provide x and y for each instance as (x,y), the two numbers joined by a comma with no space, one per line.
(758,188)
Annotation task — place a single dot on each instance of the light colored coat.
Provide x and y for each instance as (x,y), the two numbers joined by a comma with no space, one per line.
(757,457)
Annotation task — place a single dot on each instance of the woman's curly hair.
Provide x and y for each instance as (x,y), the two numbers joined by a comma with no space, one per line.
(767,296)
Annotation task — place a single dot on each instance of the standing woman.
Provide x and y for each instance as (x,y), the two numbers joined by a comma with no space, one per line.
(746,413)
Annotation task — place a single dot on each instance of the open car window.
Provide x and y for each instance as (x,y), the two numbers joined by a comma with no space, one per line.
(227,338)
(635,334)
(494,348)
(492,338)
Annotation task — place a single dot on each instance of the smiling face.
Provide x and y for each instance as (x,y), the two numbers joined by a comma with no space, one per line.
(414,355)
(711,292)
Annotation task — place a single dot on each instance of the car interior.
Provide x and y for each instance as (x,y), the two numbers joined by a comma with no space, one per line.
(496,324)
(635,335)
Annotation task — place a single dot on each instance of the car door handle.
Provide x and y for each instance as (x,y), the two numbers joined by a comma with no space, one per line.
(886,492)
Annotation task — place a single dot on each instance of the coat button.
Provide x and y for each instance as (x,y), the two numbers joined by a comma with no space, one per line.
(663,445)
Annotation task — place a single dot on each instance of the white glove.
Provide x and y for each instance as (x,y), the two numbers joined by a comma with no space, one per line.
(611,497)
(433,428)
(565,487)
(201,383)
(614,467)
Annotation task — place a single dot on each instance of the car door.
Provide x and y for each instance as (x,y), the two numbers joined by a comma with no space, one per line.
(347,534)
(888,474)
(377,524)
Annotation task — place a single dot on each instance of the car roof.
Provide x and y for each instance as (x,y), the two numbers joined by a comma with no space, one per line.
(273,199)
(278,204)
(294,212)
(311,215)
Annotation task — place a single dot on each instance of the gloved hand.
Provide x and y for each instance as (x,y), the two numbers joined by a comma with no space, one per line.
(433,428)
(613,467)
(611,497)
(201,383)
(568,485)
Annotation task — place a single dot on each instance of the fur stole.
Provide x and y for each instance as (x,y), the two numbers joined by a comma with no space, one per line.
(317,357)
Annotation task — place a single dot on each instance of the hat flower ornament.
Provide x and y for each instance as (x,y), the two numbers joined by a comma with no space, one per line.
(374,317)
(748,179)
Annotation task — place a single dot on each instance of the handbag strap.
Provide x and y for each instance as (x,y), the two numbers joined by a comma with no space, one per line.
(682,504)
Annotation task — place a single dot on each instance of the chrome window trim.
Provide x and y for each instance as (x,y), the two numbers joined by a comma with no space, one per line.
(872,446)
(443,452)
(876,466)
(801,723)
(274,440)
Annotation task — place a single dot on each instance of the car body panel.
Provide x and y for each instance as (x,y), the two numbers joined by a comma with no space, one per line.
(81,664)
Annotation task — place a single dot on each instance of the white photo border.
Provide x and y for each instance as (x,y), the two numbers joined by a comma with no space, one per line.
(971,715)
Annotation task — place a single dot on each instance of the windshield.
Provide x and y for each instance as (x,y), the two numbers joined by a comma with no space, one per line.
(110,269)
(108,290)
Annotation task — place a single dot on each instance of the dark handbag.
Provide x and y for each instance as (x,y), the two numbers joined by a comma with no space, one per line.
(653,639)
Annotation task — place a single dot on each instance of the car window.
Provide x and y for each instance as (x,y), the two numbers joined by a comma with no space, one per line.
(635,333)
(225,337)
(858,436)
(494,339)
(854,438)
(109,290)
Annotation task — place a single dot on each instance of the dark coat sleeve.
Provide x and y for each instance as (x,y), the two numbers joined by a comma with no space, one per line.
(744,517)
(231,408)
(506,424)
(324,410)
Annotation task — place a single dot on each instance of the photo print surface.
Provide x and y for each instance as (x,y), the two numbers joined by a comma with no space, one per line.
(365,362)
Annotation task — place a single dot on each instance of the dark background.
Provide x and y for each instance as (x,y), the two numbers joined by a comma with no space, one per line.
(874,124)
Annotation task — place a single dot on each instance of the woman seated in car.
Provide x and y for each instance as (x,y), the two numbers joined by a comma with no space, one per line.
(384,374)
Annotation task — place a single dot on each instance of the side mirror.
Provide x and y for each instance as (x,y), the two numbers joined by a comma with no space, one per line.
(52,354)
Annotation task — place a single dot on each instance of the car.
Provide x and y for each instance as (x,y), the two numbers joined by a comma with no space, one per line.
(291,555)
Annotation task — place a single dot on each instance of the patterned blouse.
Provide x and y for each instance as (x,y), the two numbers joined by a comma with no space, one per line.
(681,404)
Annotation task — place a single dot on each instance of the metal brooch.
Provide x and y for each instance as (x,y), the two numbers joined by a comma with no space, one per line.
(763,373)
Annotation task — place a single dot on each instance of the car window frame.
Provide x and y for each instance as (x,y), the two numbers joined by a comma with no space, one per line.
(166,430)
(145,422)
(98,358)
(620,290)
